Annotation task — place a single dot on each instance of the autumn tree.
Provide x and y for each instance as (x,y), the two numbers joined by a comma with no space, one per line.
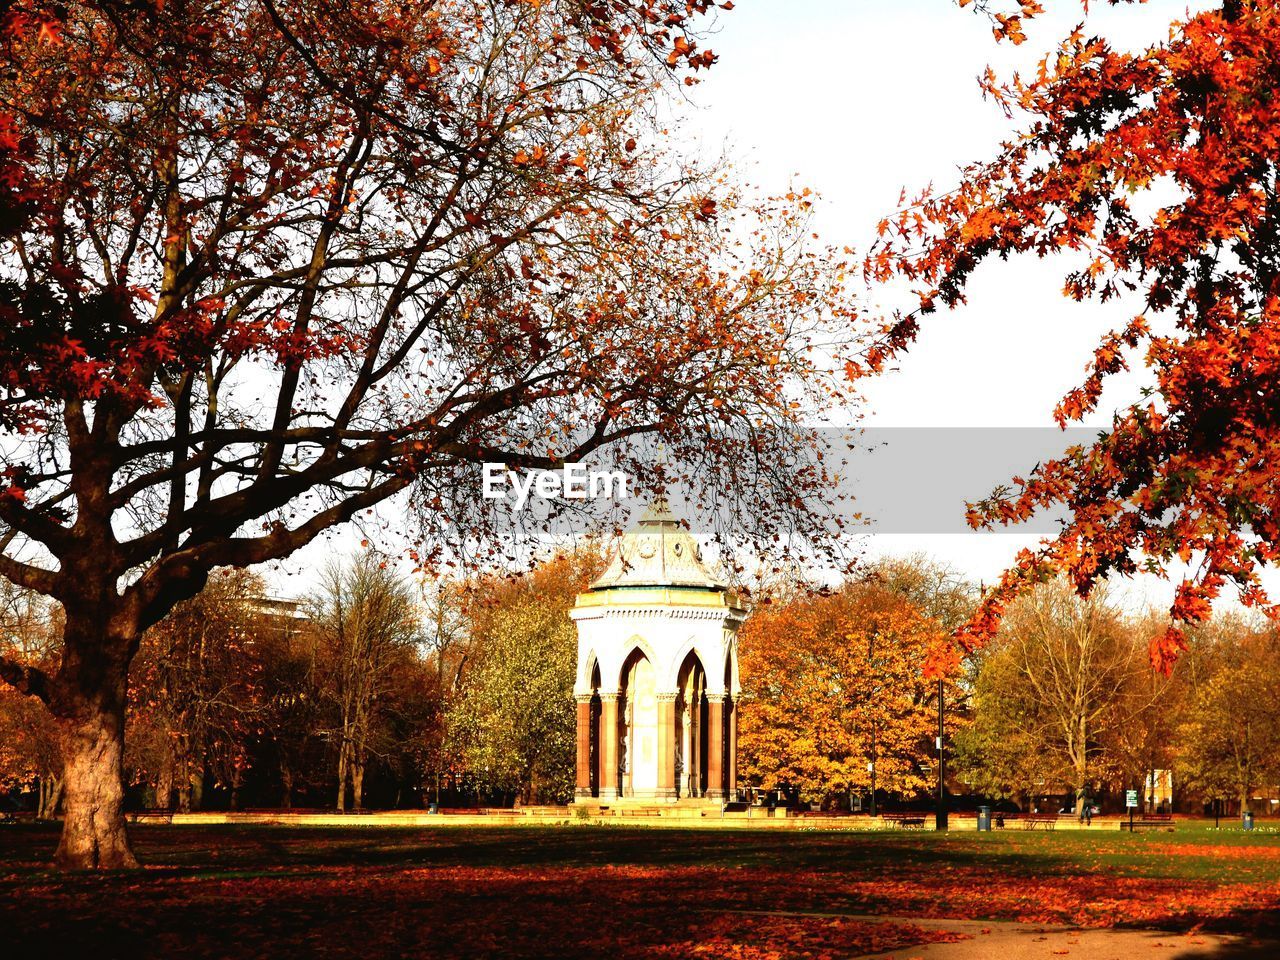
(512,725)
(365,621)
(291,712)
(195,700)
(1063,676)
(29,754)
(288,261)
(1230,734)
(833,684)
(1151,174)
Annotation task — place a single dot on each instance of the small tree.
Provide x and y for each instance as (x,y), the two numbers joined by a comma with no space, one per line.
(512,723)
(196,698)
(29,749)
(365,618)
(833,684)
(1051,690)
(1231,734)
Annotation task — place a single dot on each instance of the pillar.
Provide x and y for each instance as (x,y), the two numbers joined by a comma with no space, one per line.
(608,746)
(715,746)
(582,787)
(731,761)
(666,746)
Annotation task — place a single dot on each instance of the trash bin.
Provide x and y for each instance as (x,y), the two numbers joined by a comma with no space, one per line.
(984,818)
(432,808)
(1246,820)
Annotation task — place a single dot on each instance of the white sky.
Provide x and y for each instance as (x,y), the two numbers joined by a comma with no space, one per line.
(857,99)
(860,98)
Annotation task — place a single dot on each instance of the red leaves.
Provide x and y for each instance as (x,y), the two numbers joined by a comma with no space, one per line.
(1192,471)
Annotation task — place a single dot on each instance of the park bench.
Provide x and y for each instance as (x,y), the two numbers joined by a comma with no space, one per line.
(1150,821)
(151,815)
(904,821)
(1035,820)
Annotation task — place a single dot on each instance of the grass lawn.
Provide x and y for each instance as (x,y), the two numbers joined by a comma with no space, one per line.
(259,891)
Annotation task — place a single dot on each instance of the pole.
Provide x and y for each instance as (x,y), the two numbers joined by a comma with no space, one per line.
(940,821)
(873,770)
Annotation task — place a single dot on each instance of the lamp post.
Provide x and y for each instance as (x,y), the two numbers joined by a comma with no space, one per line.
(871,769)
(871,766)
(940,821)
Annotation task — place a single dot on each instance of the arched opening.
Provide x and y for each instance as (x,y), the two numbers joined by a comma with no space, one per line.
(593,748)
(638,727)
(691,728)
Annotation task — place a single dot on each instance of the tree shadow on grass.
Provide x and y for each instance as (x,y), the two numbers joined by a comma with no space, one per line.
(273,882)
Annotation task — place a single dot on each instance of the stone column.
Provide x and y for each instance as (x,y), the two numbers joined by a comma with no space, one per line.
(666,746)
(715,746)
(731,761)
(582,787)
(608,746)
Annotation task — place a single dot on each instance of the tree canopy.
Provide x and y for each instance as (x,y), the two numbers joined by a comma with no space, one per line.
(1151,173)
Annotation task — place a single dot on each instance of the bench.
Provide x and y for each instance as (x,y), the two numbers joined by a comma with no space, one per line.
(151,815)
(1151,821)
(1032,821)
(904,821)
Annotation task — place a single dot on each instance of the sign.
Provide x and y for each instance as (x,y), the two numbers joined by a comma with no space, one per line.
(1131,798)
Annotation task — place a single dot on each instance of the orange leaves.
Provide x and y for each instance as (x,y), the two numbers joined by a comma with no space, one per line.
(525,157)
(1102,126)
(821,672)
(981,225)
(1008,27)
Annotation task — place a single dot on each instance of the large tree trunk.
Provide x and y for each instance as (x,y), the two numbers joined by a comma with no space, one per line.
(88,706)
(93,825)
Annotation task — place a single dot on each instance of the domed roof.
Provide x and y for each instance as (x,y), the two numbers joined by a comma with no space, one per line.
(657,552)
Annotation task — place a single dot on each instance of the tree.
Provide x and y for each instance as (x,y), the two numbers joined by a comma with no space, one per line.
(29,755)
(291,708)
(289,261)
(833,684)
(1062,677)
(512,724)
(365,619)
(1231,732)
(1153,172)
(196,696)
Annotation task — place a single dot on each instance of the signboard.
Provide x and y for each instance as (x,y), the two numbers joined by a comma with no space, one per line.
(1131,798)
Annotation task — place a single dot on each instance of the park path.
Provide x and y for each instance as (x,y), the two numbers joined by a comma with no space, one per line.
(1004,940)
(1011,940)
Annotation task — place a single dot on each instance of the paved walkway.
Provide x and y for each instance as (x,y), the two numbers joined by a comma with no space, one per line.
(993,940)
(1005,940)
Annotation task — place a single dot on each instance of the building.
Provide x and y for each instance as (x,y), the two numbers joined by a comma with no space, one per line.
(657,675)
